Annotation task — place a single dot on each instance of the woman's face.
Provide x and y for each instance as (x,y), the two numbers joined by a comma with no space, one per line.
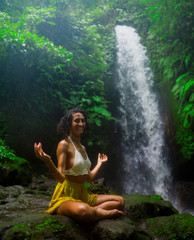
(78,123)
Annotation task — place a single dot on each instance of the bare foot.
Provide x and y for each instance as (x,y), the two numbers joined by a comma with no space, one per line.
(115,213)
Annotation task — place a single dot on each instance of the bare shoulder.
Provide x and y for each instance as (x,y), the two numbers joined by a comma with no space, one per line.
(63,145)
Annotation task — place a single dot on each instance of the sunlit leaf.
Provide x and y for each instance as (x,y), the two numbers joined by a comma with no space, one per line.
(97,99)
(189,84)
(181,77)
(188,107)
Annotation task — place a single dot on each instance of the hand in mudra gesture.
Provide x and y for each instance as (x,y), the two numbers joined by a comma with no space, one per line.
(102,158)
(40,153)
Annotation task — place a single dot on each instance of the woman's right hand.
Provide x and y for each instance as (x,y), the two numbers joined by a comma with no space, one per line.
(39,152)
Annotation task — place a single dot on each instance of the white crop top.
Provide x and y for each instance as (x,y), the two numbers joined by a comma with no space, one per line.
(80,166)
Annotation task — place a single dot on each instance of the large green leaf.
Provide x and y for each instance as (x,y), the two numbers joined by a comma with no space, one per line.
(188,107)
(188,85)
(181,77)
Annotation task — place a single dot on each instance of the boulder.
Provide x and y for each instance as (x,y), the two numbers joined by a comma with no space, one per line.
(60,227)
(22,217)
(178,226)
(122,228)
(44,226)
(139,207)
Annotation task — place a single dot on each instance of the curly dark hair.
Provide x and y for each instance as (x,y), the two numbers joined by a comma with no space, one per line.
(64,125)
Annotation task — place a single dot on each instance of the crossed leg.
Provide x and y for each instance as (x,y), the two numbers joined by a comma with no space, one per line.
(109,202)
(107,206)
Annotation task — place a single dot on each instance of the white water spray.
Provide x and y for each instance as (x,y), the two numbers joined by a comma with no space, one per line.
(144,160)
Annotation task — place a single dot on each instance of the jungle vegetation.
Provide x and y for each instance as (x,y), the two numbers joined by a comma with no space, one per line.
(60,54)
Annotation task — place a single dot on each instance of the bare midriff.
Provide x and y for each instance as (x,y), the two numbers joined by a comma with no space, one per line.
(77,179)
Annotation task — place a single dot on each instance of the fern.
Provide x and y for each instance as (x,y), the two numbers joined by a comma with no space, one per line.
(187,59)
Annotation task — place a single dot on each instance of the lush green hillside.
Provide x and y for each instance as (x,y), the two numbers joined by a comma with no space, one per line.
(56,55)
(52,59)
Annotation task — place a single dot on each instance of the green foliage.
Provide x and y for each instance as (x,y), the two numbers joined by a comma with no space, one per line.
(49,223)
(22,228)
(33,77)
(173,42)
(8,158)
(5,153)
(156,197)
(92,46)
(56,55)
(183,92)
(184,137)
(19,37)
(40,81)
(32,229)
(87,185)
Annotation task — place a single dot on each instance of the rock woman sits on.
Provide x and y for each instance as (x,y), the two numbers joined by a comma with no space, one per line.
(71,197)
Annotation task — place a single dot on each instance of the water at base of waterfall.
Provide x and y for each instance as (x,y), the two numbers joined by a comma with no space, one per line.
(144,165)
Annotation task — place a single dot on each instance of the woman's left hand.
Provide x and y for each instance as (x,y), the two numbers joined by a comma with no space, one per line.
(102,158)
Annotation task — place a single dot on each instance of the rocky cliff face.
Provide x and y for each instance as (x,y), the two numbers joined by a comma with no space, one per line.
(146,217)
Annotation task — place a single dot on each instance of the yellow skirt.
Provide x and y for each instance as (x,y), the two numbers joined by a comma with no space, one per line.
(70,191)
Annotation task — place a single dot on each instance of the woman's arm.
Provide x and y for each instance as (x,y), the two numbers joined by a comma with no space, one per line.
(92,174)
(62,156)
(48,161)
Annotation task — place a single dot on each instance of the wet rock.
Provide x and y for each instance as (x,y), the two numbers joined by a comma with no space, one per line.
(60,227)
(186,195)
(45,227)
(22,217)
(10,194)
(99,188)
(114,229)
(42,186)
(179,226)
(139,207)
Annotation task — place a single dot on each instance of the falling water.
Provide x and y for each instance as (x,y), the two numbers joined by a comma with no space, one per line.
(144,165)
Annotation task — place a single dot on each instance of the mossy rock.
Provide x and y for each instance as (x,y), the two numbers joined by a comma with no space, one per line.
(60,227)
(176,227)
(99,189)
(118,229)
(141,207)
(22,216)
(114,229)
(45,227)
(16,208)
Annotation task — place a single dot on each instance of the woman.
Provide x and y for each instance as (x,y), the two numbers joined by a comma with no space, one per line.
(70,197)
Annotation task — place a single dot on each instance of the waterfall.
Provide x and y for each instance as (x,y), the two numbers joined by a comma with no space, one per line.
(144,164)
